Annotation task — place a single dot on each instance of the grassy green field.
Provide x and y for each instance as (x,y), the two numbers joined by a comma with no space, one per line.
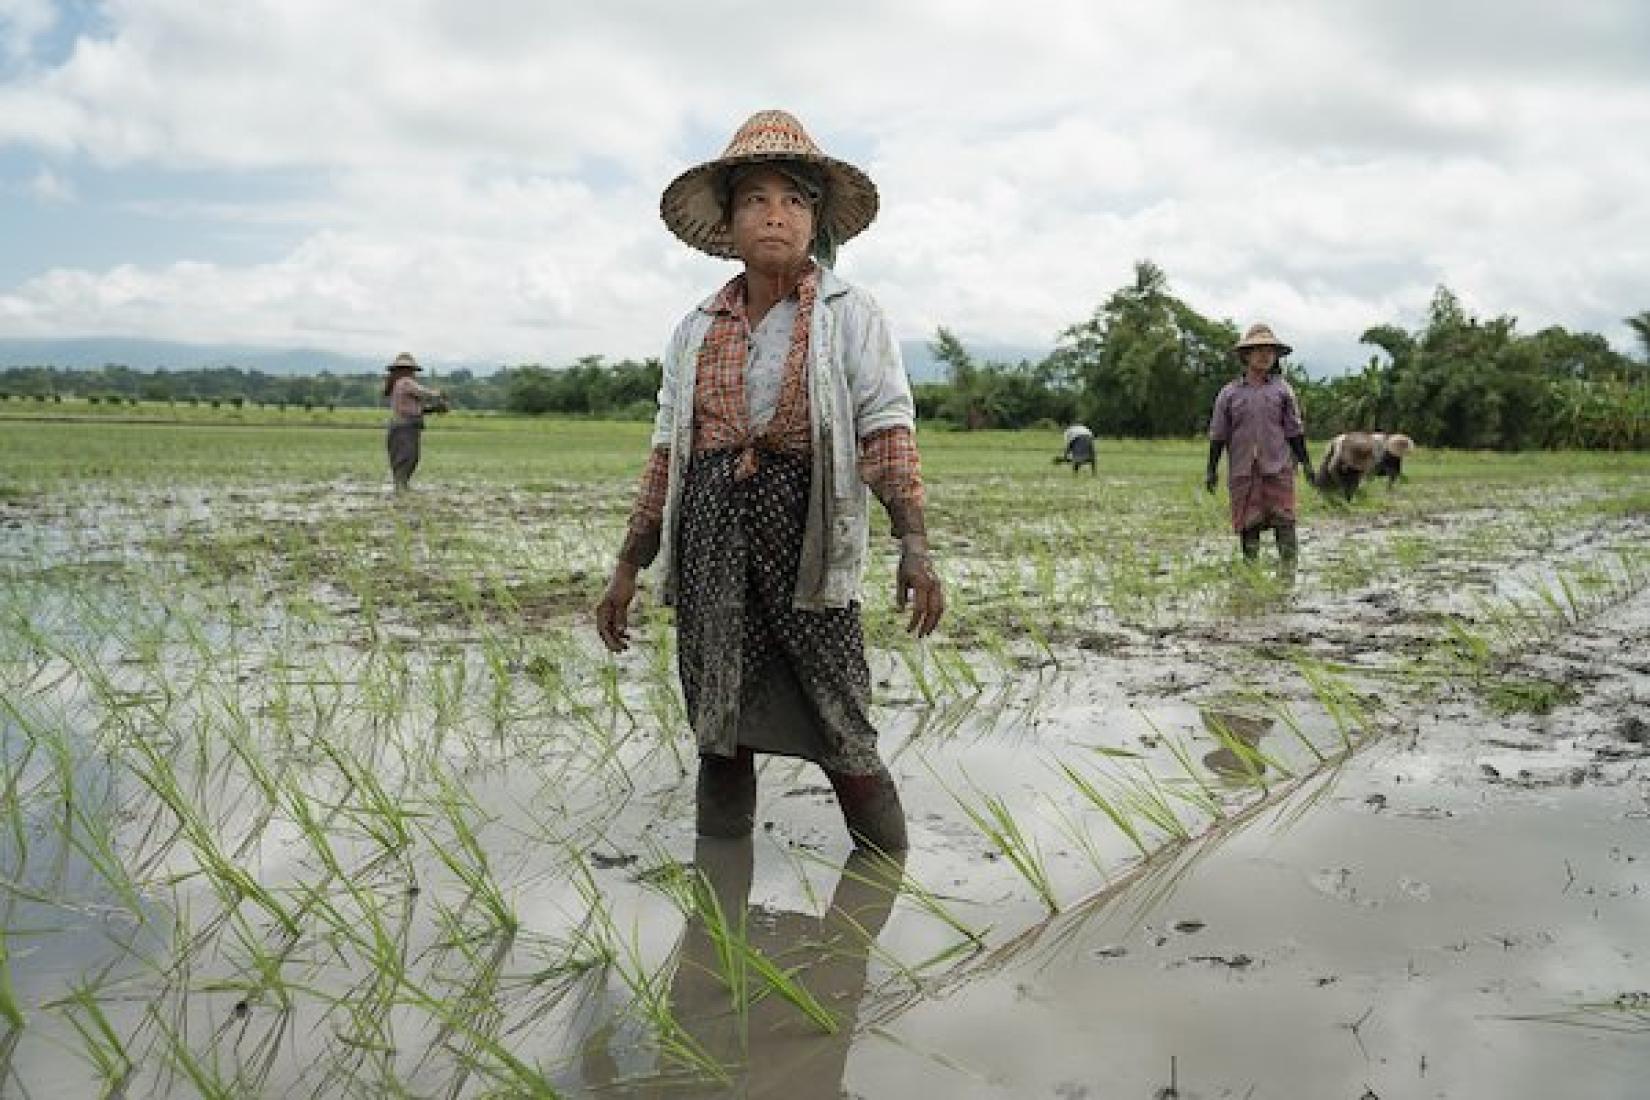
(308,790)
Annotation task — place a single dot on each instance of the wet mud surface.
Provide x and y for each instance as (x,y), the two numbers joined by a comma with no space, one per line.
(1461,914)
(1178,829)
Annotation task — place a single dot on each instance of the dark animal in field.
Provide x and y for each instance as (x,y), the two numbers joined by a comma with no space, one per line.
(1352,455)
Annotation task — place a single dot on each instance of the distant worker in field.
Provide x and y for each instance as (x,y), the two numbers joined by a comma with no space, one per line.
(1258,421)
(409,401)
(1079,449)
(1354,455)
(783,397)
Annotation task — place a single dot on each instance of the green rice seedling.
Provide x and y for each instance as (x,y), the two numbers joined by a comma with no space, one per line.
(785,984)
(263,973)
(384,817)
(1116,812)
(1409,552)
(488,1055)
(1543,590)
(1083,840)
(912,656)
(206,1075)
(92,835)
(13,800)
(697,901)
(100,1043)
(886,870)
(446,682)
(650,1001)
(1339,700)
(1281,712)
(233,884)
(1515,695)
(739,961)
(1204,797)
(1253,761)
(1153,801)
(996,823)
(468,860)
(476,1002)
(997,649)
(886,873)
(10,1010)
(961,671)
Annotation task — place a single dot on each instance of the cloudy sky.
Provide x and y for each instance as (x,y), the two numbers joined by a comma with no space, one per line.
(478,180)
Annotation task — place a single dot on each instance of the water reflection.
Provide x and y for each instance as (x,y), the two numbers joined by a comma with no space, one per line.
(1239,735)
(774,1049)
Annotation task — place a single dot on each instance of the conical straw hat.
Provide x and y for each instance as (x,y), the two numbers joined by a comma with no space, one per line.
(1260,336)
(692,204)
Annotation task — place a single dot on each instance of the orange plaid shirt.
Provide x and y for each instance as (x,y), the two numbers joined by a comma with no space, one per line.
(888,460)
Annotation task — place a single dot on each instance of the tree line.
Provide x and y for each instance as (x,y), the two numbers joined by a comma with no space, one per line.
(1144,364)
(589,387)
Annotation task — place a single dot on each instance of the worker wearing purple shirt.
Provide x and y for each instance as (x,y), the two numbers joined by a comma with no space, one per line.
(1258,420)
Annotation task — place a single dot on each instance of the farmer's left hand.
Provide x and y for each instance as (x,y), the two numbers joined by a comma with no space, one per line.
(916,582)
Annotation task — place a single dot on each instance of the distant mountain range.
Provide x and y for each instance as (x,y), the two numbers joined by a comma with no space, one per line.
(90,353)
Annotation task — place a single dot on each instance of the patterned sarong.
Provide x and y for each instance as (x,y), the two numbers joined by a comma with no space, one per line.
(757,672)
(1261,500)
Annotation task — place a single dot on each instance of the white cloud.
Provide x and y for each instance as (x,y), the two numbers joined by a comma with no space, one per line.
(486,179)
(21,22)
(49,187)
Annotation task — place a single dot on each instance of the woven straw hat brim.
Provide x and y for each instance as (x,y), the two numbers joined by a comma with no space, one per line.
(1283,348)
(692,210)
(1253,340)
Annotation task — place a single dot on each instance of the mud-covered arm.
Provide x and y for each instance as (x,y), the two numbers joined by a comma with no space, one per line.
(890,465)
(1216,448)
(1297,444)
(647,516)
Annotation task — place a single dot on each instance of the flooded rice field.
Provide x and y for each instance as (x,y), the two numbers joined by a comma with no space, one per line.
(312,792)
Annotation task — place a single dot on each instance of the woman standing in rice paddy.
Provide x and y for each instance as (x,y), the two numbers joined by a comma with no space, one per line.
(408,402)
(783,398)
(1258,420)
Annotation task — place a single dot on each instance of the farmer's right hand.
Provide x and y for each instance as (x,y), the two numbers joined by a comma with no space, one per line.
(1209,482)
(613,612)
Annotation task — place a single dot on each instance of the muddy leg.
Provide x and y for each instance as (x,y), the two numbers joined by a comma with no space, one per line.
(725,799)
(1288,544)
(871,808)
(1250,541)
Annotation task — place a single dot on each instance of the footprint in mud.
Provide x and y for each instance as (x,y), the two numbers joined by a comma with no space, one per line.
(1415,888)
(1337,883)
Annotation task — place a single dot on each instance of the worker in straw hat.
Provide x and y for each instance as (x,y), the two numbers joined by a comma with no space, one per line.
(408,403)
(1257,419)
(783,398)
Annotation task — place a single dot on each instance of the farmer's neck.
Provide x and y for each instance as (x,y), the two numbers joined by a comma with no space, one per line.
(766,286)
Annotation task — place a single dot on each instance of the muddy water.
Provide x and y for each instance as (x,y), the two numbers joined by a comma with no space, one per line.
(1404,939)
(1418,886)
(1457,912)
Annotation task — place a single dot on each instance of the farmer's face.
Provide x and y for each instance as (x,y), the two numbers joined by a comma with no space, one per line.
(772,223)
(1260,360)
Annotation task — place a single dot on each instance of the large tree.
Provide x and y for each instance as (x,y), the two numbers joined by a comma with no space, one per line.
(1147,363)
(1640,324)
